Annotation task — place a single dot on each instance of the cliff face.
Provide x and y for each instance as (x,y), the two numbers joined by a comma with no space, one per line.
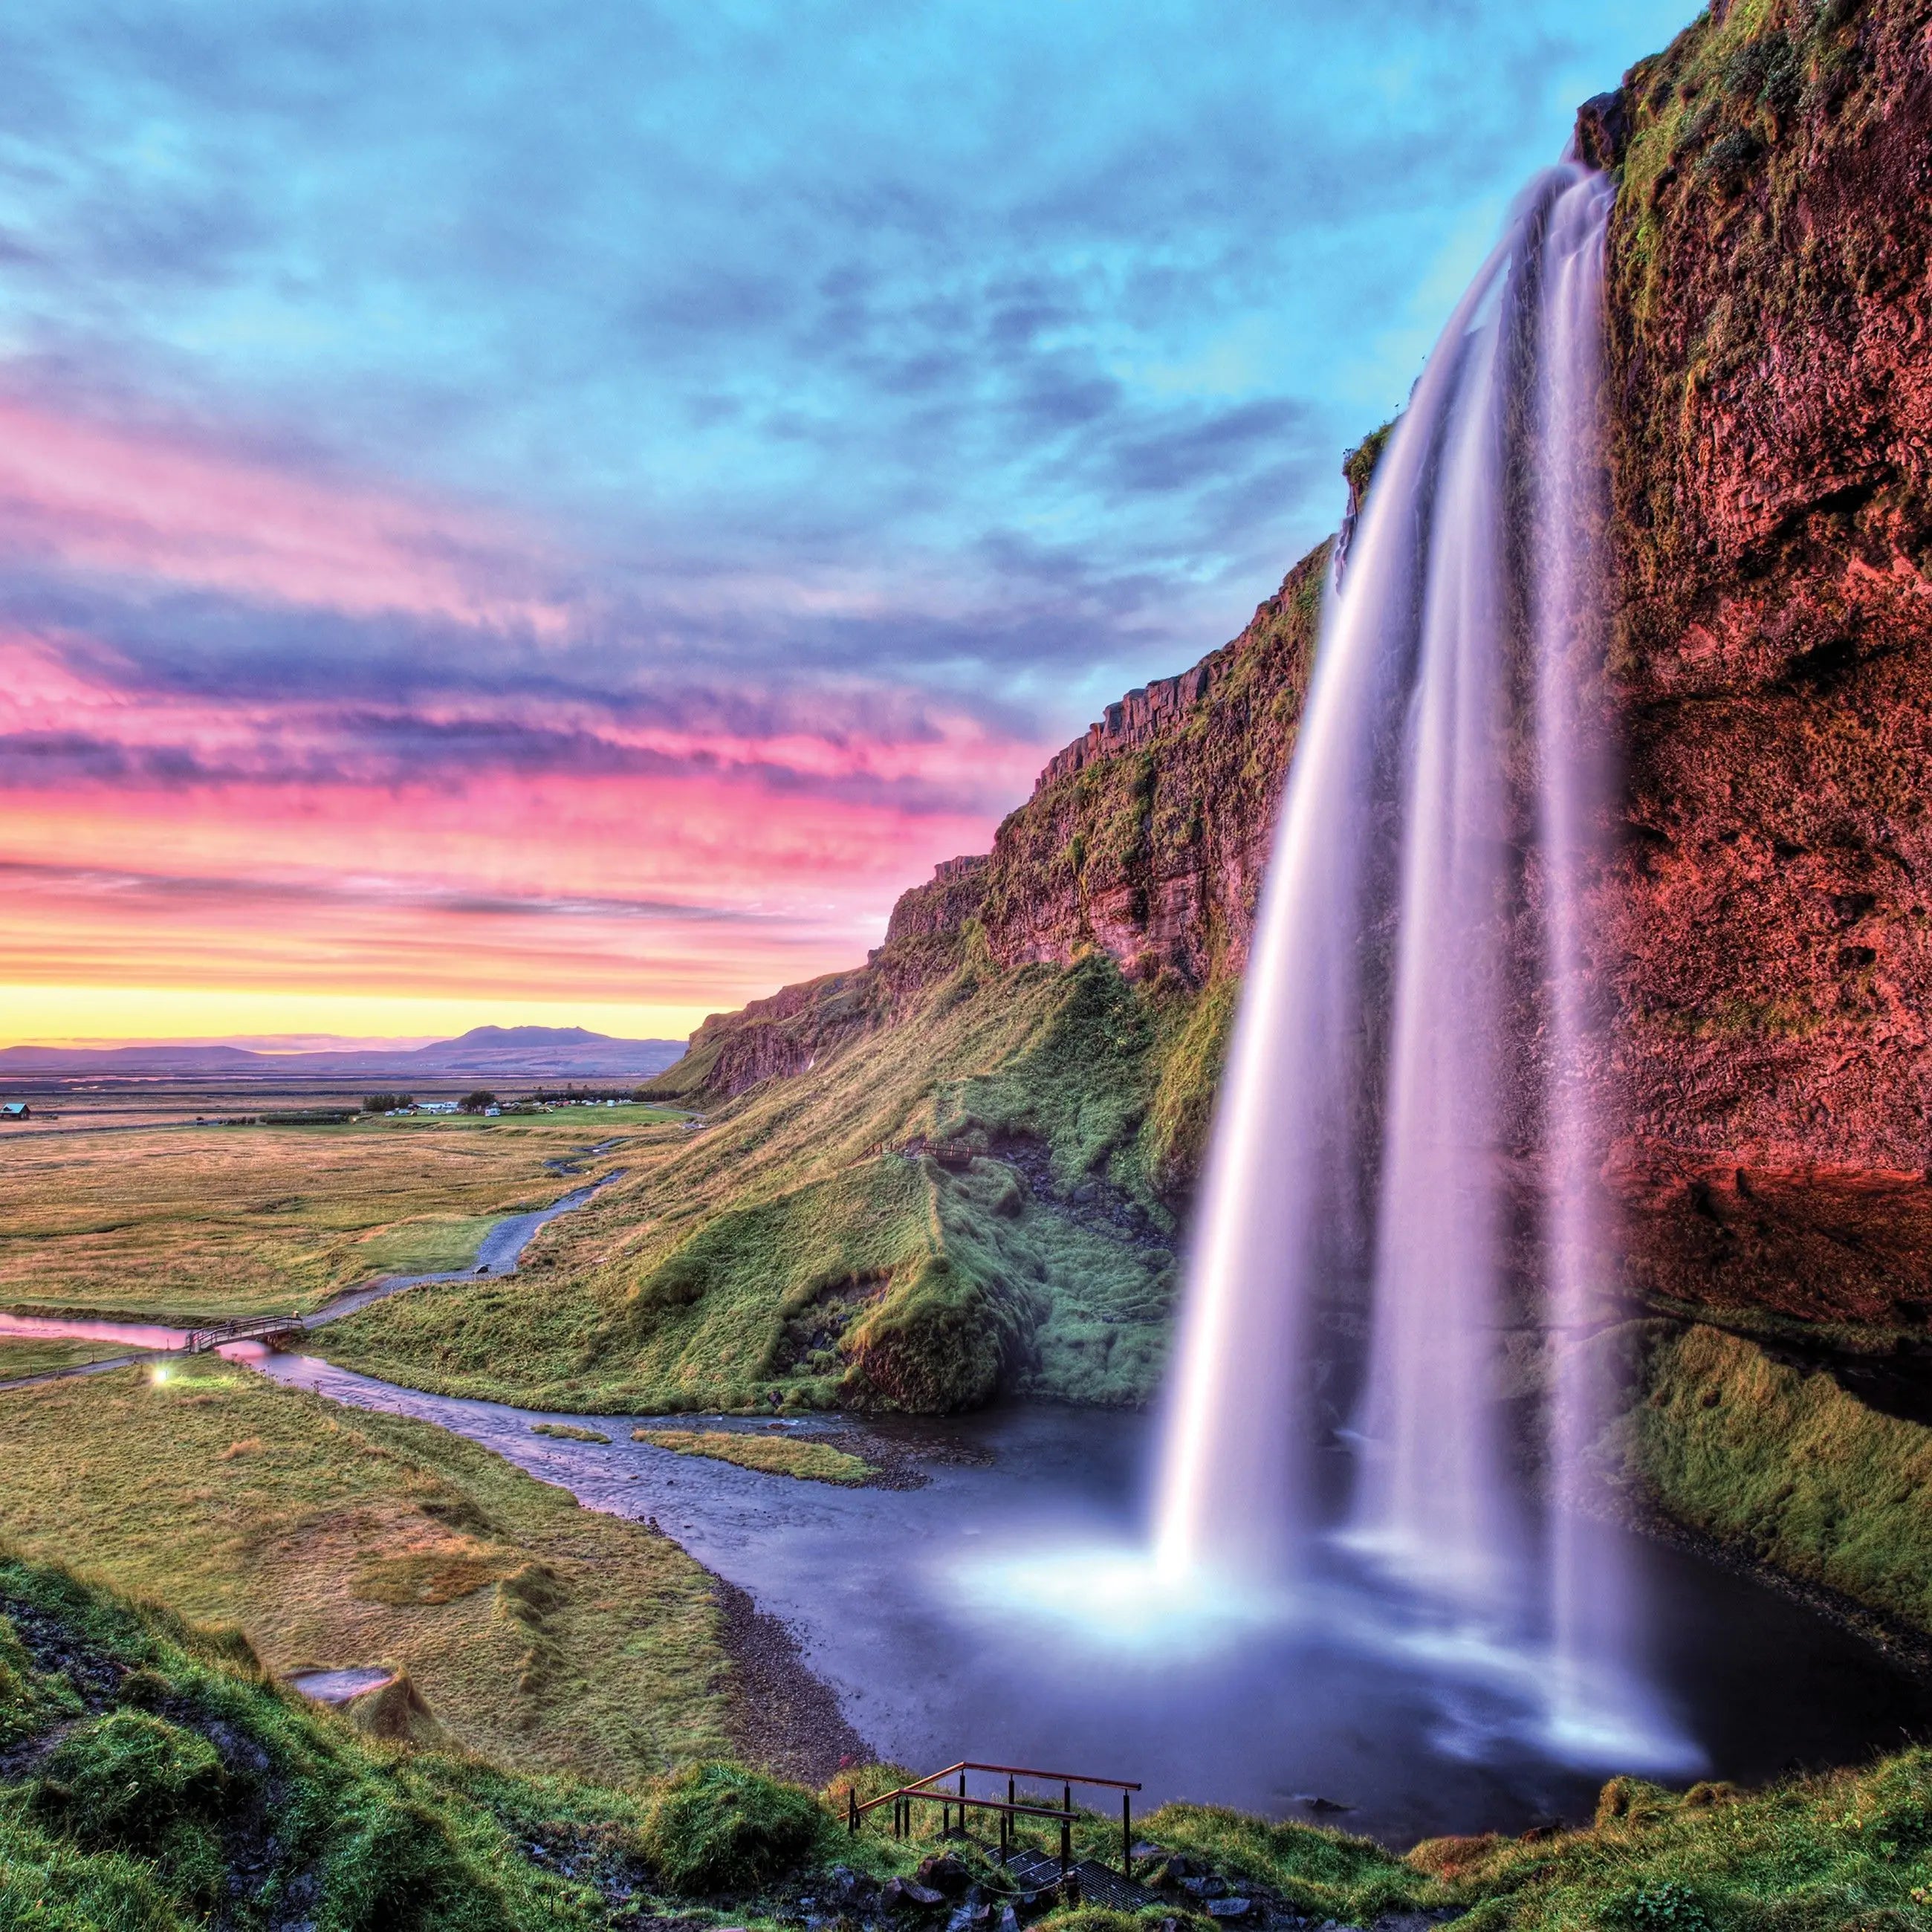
(1767,954)
(1148,838)
(1771,374)
(1145,840)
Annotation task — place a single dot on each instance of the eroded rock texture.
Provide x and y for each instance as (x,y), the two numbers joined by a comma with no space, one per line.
(1771,390)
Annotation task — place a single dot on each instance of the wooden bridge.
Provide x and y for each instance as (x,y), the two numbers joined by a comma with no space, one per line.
(272,1329)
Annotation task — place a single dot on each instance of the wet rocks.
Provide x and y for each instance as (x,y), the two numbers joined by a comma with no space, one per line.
(943,1873)
(900,1892)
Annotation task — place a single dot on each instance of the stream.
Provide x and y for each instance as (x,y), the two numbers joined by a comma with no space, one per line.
(1001,1613)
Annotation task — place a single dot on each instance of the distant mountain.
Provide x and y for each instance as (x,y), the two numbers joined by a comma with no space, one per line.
(509,1053)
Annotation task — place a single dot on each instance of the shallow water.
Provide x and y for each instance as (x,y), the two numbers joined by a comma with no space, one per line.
(1002,1613)
(338,1686)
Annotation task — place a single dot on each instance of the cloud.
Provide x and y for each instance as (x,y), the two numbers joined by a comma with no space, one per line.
(702,457)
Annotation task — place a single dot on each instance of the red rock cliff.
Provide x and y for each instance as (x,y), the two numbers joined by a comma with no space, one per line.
(1772,385)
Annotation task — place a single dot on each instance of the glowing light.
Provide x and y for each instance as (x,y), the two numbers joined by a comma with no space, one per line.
(1118,1597)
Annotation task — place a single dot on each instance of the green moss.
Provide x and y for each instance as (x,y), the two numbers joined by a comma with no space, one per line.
(1787,1465)
(718,1827)
(1360,464)
(209,1787)
(129,1779)
(777,1455)
(1351,1879)
(1188,1064)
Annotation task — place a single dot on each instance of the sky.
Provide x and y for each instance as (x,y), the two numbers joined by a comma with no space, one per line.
(558,514)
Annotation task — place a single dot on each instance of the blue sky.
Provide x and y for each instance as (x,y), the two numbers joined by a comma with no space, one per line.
(788,382)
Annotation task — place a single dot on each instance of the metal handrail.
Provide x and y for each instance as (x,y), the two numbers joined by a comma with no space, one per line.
(901,1801)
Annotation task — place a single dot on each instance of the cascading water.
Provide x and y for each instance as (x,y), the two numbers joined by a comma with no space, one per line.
(1401,1175)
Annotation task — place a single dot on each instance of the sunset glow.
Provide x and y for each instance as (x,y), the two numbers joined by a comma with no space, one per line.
(453,569)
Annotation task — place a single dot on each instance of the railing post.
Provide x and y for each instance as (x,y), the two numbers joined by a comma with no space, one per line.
(1066,1830)
(852,1808)
(1127,1836)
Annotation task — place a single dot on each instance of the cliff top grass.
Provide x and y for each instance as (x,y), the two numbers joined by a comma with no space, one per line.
(233,1221)
(776,1455)
(540,1634)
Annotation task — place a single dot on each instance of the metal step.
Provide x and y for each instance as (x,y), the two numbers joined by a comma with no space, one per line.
(1030,1871)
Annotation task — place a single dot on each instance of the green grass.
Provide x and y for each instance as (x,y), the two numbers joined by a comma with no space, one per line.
(232,1221)
(541,1633)
(1852,1850)
(853,1237)
(174,1782)
(1786,1466)
(34,1354)
(168,1783)
(777,1455)
(568,1432)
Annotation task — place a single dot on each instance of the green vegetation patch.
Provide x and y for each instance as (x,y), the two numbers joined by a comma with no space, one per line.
(568,1432)
(1786,1464)
(1853,1850)
(956,1204)
(719,1827)
(1329,1874)
(777,1455)
(537,1633)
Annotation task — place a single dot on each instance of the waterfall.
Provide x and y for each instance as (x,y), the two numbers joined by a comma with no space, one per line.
(1402,1167)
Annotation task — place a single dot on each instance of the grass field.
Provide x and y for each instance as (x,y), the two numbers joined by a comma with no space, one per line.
(224,1221)
(540,1634)
(853,1237)
(777,1455)
(35,1355)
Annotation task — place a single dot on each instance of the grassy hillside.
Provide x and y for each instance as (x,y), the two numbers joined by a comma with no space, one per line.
(959,1201)
(151,1776)
(333,1537)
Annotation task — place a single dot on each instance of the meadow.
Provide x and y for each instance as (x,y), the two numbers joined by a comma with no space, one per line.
(39,1355)
(539,1634)
(179,1222)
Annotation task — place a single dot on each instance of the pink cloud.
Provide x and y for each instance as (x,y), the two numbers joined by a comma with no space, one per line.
(145,503)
